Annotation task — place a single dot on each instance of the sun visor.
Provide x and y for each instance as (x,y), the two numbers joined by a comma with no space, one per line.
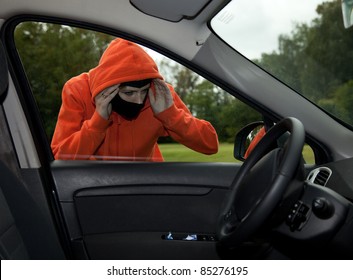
(4,78)
(171,10)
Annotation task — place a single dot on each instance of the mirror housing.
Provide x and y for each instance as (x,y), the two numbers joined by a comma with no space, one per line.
(244,137)
(347,12)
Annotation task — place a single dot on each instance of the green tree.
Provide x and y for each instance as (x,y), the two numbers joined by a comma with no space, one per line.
(343,100)
(207,101)
(234,116)
(316,59)
(51,54)
(182,78)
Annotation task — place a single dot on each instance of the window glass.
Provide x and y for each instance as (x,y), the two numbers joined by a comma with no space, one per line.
(303,43)
(52,54)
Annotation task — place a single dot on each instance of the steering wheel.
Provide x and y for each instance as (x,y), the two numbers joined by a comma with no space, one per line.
(261,182)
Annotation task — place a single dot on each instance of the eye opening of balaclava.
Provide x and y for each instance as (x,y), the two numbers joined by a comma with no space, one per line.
(129,110)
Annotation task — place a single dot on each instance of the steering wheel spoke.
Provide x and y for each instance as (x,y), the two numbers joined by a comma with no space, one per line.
(261,182)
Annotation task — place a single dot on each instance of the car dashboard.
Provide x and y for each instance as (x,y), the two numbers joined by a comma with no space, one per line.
(319,225)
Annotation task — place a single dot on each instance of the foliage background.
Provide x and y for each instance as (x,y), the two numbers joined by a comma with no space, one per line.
(316,60)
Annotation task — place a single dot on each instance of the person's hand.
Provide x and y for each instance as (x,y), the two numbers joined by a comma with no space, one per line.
(102,101)
(160,98)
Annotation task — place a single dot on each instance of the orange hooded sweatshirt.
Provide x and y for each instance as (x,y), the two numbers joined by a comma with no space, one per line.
(81,133)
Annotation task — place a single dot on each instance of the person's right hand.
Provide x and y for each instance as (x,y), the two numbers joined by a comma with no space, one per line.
(102,101)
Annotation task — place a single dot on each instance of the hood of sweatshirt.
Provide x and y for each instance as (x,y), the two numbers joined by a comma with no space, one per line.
(122,61)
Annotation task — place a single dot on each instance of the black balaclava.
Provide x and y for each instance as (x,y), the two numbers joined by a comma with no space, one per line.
(129,110)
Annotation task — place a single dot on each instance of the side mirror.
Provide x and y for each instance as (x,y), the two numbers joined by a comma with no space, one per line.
(244,137)
(347,13)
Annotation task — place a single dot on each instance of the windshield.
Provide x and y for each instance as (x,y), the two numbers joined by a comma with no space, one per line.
(303,43)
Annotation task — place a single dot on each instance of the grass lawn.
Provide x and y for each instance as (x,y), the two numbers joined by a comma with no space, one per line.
(178,152)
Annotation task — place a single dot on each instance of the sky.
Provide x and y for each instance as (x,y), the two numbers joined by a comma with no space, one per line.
(253,26)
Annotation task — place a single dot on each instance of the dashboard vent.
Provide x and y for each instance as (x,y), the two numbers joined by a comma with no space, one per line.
(320,175)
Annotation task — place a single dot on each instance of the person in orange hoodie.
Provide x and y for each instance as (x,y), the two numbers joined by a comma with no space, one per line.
(119,109)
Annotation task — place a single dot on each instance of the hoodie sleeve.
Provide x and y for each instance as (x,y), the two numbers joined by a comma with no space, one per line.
(182,126)
(76,135)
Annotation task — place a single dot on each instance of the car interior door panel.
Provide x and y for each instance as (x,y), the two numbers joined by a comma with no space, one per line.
(147,217)
(146,212)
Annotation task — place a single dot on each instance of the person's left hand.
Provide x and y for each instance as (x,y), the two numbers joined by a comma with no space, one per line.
(160,97)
